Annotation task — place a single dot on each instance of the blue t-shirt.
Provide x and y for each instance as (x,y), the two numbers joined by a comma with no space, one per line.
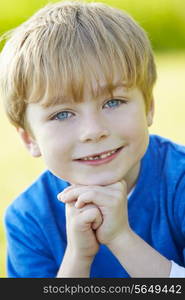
(35,221)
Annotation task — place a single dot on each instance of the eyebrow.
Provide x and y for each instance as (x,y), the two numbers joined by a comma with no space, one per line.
(99,90)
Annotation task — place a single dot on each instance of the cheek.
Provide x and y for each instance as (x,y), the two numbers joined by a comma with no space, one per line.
(131,126)
(55,146)
(139,135)
(133,129)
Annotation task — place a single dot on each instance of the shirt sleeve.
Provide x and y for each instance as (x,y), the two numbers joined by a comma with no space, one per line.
(176,270)
(179,223)
(28,254)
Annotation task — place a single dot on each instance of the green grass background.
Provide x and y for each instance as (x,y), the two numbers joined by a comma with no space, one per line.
(164,21)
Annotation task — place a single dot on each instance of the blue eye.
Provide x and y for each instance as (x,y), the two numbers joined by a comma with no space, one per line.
(62,115)
(114,103)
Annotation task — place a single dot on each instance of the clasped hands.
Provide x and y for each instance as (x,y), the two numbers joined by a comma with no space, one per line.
(94,215)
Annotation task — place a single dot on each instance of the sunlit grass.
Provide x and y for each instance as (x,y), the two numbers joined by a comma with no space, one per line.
(19,169)
(169,95)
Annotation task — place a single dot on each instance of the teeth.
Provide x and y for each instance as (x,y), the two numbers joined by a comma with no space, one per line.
(99,156)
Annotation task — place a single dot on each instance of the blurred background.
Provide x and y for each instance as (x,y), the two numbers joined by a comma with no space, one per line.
(164,22)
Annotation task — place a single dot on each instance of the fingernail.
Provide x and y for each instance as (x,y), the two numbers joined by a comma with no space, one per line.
(61,197)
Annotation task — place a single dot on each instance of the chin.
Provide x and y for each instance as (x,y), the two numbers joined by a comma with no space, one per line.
(97,181)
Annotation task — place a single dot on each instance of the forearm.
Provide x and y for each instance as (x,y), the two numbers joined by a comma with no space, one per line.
(74,266)
(138,258)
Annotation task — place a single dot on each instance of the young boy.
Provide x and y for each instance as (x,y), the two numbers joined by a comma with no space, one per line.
(77,81)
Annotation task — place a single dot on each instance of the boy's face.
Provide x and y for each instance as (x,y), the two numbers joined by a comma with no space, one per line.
(72,136)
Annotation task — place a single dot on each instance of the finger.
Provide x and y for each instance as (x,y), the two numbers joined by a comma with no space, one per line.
(86,194)
(70,209)
(70,187)
(90,217)
(99,199)
(98,221)
(72,194)
(69,196)
(81,188)
(66,190)
(124,184)
(119,185)
(99,218)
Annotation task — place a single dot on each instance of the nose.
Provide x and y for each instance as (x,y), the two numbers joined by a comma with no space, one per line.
(93,130)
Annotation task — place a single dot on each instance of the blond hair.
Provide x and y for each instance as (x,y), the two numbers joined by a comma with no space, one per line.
(50,56)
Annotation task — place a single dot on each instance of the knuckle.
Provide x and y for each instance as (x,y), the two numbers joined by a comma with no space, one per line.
(124,185)
(89,195)
(120,185)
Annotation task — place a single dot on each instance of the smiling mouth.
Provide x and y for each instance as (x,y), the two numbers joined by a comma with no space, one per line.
(100,156)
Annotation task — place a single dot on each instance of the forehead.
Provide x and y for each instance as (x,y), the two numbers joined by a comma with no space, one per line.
(78,79)
(91,94)
(77,76)
(92,88)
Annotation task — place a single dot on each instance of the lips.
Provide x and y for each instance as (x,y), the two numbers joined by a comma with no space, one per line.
(99,156)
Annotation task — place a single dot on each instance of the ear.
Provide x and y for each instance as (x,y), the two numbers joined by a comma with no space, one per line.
(30,142)
(150,113)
